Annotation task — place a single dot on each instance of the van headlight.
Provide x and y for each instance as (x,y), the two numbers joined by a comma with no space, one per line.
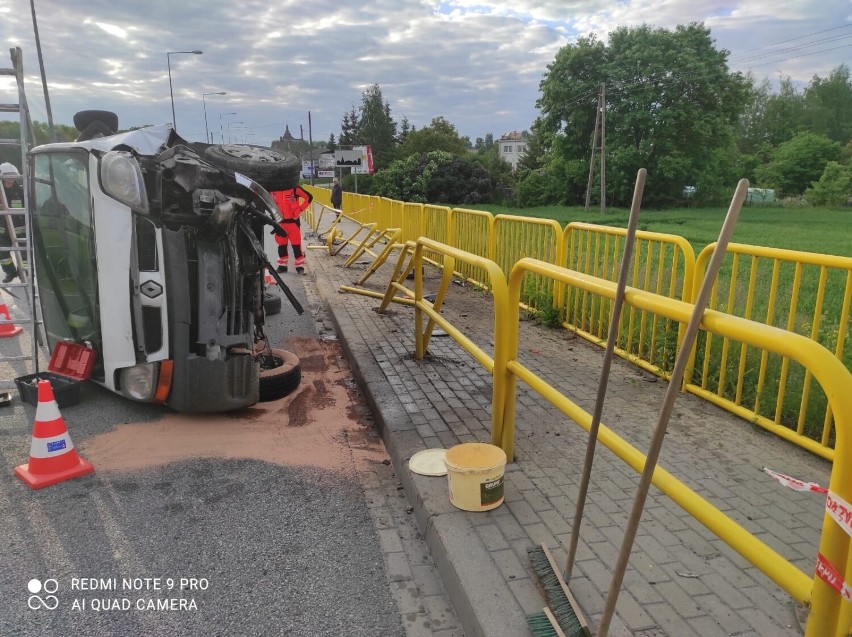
(139,382)
(121,178)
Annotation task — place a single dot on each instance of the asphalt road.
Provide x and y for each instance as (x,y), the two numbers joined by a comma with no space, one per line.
(263,548)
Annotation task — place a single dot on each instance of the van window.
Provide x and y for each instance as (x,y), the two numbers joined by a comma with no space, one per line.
(64,245)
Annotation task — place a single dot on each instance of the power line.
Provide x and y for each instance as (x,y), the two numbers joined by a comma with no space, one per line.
(795,48)
(801,37)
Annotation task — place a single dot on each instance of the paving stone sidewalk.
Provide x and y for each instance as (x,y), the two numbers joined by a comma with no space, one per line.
(681,582)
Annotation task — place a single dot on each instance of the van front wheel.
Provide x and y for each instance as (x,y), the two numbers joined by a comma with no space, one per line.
(269,168)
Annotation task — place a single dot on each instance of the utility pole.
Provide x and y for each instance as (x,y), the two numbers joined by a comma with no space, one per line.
(594,148)
(311,148)
(603,147)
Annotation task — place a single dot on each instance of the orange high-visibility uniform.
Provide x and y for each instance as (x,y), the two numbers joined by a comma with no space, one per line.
(291,203)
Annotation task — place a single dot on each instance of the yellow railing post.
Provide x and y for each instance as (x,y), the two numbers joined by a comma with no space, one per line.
(496,365)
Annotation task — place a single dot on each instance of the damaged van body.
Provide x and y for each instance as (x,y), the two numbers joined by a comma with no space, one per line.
(150,249)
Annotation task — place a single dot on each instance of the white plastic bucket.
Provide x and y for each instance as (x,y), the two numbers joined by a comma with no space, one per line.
(475,474)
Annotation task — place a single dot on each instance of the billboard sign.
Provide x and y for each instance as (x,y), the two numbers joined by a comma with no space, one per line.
(347,158)
(366,165)
(359,160)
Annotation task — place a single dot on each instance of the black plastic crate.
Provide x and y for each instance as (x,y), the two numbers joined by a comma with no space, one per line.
(66,390)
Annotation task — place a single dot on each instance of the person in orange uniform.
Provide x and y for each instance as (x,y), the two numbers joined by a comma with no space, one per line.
(291,203)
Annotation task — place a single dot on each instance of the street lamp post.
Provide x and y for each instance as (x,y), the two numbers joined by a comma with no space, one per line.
(222,130)
(207,130)
(171,92)
(229,129)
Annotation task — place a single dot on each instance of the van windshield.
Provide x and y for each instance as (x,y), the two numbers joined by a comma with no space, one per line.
(64,246)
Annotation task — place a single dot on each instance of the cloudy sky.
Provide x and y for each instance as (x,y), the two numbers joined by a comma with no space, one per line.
(478,63)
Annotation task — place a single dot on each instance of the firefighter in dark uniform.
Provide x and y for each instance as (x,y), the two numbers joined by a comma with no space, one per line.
(14,196)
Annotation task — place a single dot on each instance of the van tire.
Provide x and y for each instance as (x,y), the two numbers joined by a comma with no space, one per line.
(280,374)
(84,119)
(269,168)
(271,304)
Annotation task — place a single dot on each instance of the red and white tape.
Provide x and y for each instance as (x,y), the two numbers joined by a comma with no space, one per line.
(840,511)
(838,508)
(793,483)
(830,575)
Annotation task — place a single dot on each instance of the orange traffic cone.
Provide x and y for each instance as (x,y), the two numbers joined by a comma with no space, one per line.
(268,278)
(8,329)
(52,455)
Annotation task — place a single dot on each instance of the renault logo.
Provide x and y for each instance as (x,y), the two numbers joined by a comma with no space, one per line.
(151,289)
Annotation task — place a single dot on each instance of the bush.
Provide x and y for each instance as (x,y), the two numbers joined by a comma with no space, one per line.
(834,187)
(795,164)
(536,189)
(435,177)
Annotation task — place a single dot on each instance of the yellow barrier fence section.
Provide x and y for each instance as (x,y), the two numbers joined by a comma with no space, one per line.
(662,263)
(806,293)
(514,238)
(472,232)
(829,615)
(413,221)
(437,225)
(496,282)
(801,292)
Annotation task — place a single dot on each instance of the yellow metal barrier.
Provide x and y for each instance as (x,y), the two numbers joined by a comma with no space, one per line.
(472,231)
(413,221)
(391,236)
(514,238)
(404,266)
(830,615)
(438,226)
(806,293)
(800,292)
(497,284)
(662,263)
(368,241)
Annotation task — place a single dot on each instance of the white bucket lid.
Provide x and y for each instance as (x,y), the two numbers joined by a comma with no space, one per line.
(429,462)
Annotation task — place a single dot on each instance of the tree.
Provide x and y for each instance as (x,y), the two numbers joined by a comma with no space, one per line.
(828,105)
(784,114)
(332,145)
(535,156)
(798,162)
(349,128)
(376,127)
(670,100)
(404,130)
(439,135)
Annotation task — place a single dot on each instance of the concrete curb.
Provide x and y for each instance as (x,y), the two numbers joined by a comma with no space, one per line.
(483,601)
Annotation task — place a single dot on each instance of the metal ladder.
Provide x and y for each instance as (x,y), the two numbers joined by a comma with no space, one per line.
(21,250)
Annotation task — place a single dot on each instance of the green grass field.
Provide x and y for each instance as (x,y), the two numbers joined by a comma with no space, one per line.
(823,230)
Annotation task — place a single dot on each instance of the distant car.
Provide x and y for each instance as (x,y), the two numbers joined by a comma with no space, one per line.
(150,248)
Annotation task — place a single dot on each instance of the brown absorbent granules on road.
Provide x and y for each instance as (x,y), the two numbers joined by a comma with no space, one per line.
(313,426)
